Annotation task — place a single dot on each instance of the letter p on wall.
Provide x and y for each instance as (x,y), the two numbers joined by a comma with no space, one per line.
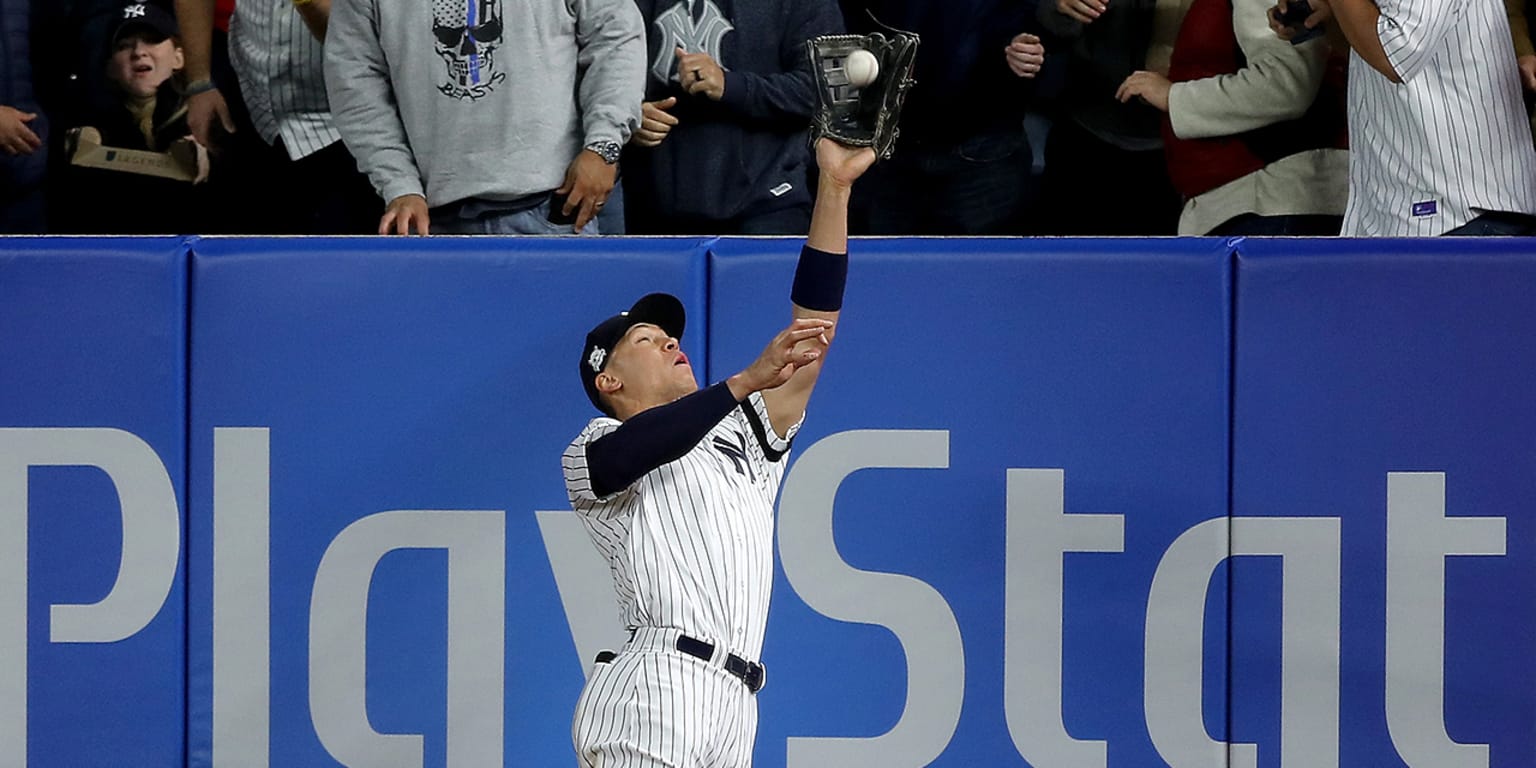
(151,547)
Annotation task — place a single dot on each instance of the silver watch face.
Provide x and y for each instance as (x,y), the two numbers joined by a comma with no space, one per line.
(608,150)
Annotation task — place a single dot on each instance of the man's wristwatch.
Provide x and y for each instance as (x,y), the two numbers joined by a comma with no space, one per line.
(608,150)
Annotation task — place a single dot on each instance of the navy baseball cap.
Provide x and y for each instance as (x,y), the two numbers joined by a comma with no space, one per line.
(156,22)
(662,310)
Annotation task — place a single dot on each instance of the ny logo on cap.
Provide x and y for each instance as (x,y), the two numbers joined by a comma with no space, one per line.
(596,358)
(134,11)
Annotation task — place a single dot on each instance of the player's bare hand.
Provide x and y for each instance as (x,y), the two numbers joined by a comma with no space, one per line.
(655,122)
(1148,86)
(1085,11)
(799,345)
(15,137)
(1025,54)
(699,74)
(202,110)
(842,165)
(404,214)
(588,182)
(1528,71)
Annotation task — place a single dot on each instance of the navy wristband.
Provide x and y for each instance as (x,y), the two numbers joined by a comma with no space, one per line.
(819,280)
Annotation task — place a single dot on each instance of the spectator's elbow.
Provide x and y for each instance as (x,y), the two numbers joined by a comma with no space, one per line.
(1294,108)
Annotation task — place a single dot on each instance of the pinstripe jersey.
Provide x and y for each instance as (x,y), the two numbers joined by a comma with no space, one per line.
(690,544)
(282,79)
(1451,141)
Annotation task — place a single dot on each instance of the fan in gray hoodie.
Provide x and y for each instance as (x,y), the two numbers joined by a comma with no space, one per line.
(482,109)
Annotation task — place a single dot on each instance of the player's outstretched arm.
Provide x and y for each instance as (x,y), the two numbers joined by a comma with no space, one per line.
(823,269)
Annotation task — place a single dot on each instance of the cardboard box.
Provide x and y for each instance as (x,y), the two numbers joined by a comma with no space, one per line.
(178,163)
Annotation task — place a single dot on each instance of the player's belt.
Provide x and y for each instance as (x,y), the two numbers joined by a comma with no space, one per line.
(750,673)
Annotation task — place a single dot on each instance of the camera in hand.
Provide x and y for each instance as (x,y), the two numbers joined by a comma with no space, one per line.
(1295,17)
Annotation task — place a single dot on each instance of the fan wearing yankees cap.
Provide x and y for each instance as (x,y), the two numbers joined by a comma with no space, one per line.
(147,112)
(676,486)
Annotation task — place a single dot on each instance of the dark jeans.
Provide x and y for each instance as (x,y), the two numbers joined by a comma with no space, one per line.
(263,191)
(977,186)
(1092,187)
(1254,225)
(24,214)
(1497,224)
(610,220)
(23,196)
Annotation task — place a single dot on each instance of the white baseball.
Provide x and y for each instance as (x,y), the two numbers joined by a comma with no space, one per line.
(862,68)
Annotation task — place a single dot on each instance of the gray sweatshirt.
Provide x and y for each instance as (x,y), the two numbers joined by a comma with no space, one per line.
(489,99)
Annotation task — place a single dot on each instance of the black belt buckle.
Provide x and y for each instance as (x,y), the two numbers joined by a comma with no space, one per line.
(753,675)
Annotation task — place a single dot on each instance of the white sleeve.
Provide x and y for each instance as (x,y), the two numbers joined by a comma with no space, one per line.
(362,99)
(774,445)
(1411,31)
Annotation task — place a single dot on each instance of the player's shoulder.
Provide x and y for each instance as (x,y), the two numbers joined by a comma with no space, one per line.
(596,428)
(575,453)
(578,481)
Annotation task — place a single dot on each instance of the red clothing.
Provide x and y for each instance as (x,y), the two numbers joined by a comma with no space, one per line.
(1207,47)
(222,10)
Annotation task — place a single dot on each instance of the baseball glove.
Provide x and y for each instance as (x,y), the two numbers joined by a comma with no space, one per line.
(867,116)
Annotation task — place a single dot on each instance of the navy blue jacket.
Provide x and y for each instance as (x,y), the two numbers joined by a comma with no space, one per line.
(1100,57)
(20,175)
(726,159)
(964,86)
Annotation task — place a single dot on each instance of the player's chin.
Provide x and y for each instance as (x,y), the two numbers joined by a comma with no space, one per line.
(686,384)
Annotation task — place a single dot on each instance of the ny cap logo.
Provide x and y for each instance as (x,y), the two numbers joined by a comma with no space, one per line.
(596,359)
(134,11)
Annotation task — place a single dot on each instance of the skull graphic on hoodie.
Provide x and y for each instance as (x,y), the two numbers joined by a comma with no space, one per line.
(466,35)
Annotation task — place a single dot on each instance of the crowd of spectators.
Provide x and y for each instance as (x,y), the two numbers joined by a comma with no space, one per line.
(1029,117)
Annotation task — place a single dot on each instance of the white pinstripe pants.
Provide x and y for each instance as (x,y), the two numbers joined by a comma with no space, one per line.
(653,707)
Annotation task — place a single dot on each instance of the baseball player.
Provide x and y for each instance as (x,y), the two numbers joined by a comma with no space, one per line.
(676,486)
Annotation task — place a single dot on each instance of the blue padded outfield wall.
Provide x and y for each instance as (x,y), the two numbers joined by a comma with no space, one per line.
(93,429)
(1057,503)
(1384,441)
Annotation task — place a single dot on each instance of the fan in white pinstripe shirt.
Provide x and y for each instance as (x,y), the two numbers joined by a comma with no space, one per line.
(676,486)
(1438,139)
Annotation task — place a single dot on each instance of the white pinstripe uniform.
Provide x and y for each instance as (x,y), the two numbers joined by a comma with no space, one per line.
(282,79)
(1451,141)
(690,546)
